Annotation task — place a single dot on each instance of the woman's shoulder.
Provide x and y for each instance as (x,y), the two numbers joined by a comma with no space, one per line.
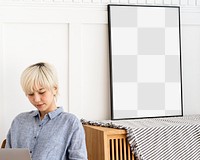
(71,122)
(25,115)
(70,117)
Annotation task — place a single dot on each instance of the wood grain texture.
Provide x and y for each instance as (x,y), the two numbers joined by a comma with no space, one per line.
(107,143)
(3,144)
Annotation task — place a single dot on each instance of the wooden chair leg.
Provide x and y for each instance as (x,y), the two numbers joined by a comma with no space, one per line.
(3,143)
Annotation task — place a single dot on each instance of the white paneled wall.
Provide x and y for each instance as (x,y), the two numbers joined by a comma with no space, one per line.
(73,39)
(24,44)
(73,35)
(191,68)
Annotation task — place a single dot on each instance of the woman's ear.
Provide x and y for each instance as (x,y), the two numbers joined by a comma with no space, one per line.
(55,90)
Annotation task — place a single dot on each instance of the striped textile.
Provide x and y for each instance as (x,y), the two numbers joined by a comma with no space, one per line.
(172,138)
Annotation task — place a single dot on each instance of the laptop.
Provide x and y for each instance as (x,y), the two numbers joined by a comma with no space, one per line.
(15,154)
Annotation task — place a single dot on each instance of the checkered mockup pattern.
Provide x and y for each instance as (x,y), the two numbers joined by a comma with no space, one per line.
(145,54)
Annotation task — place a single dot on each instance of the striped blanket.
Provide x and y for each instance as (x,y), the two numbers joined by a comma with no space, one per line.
(172,138)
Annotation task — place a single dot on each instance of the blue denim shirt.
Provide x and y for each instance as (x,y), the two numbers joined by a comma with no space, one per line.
(58,136)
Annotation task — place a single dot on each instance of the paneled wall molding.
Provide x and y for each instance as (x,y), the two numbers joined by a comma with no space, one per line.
(190,15)
(186,6)
(98,3)
(1,73)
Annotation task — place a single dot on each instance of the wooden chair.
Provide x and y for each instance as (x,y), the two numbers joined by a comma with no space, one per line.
(3,143)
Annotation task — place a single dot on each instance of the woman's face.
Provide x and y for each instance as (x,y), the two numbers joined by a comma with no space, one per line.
(43,99)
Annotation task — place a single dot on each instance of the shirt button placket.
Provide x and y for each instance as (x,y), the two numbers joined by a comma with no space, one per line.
(35,137)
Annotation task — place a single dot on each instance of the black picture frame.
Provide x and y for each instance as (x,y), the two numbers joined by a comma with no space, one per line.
(145,61)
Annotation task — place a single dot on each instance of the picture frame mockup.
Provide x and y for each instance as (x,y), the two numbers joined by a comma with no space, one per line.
(145,61)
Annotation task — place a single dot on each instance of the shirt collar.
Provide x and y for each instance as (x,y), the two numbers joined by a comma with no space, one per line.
(51,115)
(55,113)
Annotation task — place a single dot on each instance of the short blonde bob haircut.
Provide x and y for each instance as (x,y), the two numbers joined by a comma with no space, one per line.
(39,75)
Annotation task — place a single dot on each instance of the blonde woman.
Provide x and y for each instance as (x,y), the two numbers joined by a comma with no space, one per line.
(48,132)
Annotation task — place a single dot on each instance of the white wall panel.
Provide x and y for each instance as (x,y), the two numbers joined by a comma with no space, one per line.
(95,72)
(88,73)
(2,112)
(75,78)
(191,68)
(25,44)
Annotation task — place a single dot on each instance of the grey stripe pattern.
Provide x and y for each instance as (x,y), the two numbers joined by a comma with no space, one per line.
(171,138)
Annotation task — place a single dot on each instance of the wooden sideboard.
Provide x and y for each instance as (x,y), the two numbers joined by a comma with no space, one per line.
(107,143)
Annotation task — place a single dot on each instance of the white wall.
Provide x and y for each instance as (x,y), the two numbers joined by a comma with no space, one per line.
(73,35)
(73,38)
(190,59)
